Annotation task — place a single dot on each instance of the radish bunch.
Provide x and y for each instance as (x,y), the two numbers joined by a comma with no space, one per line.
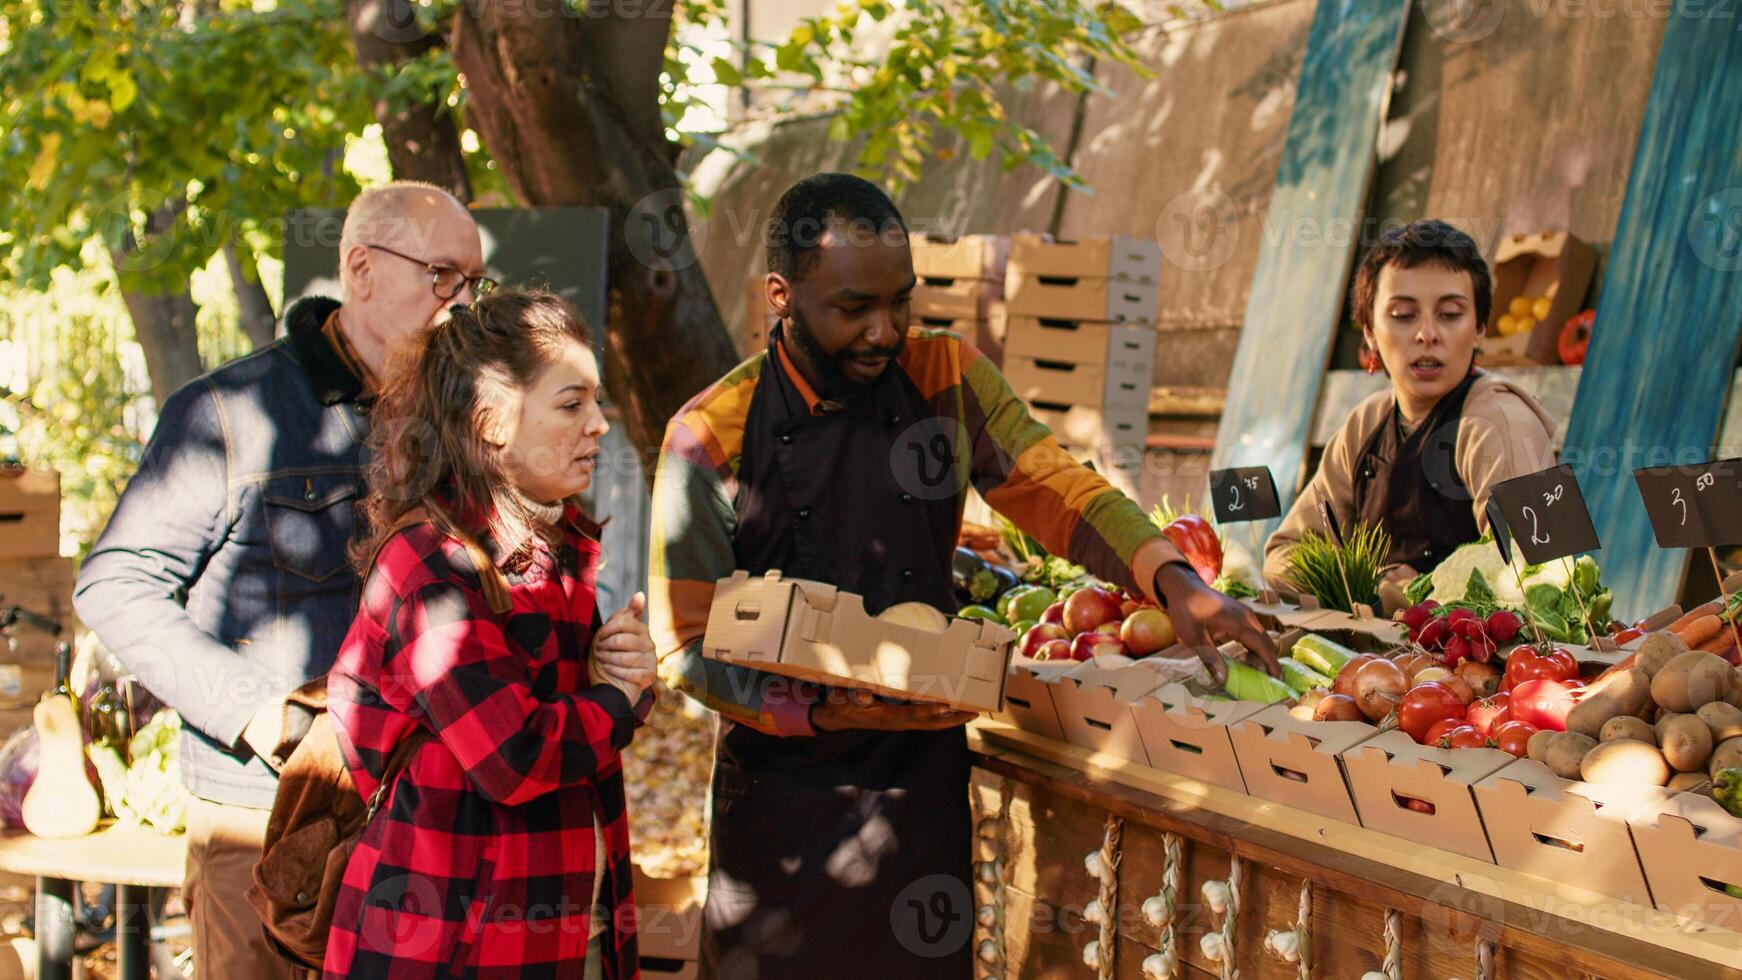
(1459,633)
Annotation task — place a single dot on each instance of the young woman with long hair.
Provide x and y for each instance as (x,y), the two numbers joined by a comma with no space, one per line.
(479,676)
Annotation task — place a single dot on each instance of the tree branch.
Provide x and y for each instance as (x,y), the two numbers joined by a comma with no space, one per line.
(422,140)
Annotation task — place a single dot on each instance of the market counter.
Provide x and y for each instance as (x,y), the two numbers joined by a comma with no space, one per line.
(1372,902)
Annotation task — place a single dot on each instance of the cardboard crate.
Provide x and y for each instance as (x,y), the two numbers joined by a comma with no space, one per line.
(669,923)
(1187,735)
(1065,298)
(29,513)
(1028,696)
(1098,257)
(969,328)
(1389,770)
(937,297)
(1090,426)
(964,257)
(1562,830)
(1690,848)
(814,631)
(43,586)
(1082,342)
(1094,708)
(1529,265)
(1101,385)
(1296,763)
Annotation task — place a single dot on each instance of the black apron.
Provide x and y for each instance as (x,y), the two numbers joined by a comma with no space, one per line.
(1409,484)
(845,855)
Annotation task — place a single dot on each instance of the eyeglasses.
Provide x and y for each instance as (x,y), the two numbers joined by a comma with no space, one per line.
(446,281)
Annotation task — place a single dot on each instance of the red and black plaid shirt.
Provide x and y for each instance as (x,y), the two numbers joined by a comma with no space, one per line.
(481,863)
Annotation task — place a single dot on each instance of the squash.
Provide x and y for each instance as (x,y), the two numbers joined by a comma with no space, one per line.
(61,803)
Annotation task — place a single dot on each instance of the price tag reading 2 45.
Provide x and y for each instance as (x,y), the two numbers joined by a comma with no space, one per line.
(1246,493)
(1547,515)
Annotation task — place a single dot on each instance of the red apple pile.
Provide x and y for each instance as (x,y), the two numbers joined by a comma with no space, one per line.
(1095,622)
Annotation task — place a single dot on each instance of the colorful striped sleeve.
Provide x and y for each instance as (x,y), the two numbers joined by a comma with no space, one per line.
(1022,471)
(691,549)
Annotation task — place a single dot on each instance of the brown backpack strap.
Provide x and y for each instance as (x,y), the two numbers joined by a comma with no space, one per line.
(396,764)
(495,584)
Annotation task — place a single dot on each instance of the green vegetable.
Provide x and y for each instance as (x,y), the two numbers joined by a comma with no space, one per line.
(1585,575)
(1321,655)
(1300,677)
(1727,790)
(1234,588)
(112,777)
(981,612)
(1478,594)
(1419,590)
(1247,684)
(1451,578)
(1340,577)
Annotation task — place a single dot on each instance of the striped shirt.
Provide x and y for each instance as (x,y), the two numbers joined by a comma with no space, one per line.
(1012,460)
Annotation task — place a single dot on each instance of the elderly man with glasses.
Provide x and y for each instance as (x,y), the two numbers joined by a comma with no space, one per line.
(222,580)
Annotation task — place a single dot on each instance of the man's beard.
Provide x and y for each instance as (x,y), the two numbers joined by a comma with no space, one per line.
(830,367)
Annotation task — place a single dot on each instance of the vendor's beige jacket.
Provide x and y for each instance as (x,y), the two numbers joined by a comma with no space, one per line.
(1503,433)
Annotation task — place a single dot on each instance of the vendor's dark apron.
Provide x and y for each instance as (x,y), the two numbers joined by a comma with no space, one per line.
(845,855)
(1410,485)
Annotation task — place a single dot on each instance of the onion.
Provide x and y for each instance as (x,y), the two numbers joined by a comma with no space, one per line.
(1434,673)
(1460,687)
(1484,679)
(1379,686)
(1413,662)
(1345,679)
(1338,707)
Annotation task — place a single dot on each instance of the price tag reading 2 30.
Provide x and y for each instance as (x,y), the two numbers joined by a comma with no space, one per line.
(1547,515)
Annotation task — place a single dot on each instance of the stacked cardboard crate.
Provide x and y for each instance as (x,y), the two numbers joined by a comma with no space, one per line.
(1079,346)
(34,578)
(961,285)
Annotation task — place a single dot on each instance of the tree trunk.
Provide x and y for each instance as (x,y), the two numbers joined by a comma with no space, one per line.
(569,108)
(422,141)
(163,323)
(253,306)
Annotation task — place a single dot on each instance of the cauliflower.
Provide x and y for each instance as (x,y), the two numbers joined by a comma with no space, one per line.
(1452,578)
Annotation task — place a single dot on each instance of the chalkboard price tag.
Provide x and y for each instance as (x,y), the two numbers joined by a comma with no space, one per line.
(1502,534)
(1245,493)
(1547,515)
(1693,506)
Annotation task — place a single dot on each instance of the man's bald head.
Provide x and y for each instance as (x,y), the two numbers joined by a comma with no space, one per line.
(400,215)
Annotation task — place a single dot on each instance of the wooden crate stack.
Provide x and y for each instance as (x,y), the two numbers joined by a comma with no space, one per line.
(961,286)
(35,578)
(1079,345)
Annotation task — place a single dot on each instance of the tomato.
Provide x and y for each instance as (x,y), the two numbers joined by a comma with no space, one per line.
(1425,704)
(1544,703)
(1481,714)
(1525,664)
(1513,737)
(1419,806)
(1439,728)
(1461,737)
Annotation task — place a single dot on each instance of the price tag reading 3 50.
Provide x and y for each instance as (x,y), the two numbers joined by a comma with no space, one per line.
(1547,515)
(1693,506)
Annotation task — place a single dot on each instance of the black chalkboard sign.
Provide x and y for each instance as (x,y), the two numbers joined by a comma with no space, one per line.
(1547,515)
(1693,506)
(1244,493)
(1502,534)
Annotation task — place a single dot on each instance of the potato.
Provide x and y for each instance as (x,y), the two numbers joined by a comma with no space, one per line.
(1656,650)
(1626,726)
(1625,761)
(1690,680)
(1566,751)
(1734,695)
(1663,718)
(1690,782)
(1621,693)
(1723,718)
(1687,743)
(1537,748)
(1727,755)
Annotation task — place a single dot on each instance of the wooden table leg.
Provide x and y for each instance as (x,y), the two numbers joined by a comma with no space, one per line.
(54,929)
(132,933)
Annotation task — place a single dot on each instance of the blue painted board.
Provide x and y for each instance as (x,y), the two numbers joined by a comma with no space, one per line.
(1663,351)
(1298,288)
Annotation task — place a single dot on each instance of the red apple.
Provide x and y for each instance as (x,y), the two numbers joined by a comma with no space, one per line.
(1092,644)
(1089,608)
(1111,627)
(1054,650)
(1055,613)
(1038,635)
(1146,631)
